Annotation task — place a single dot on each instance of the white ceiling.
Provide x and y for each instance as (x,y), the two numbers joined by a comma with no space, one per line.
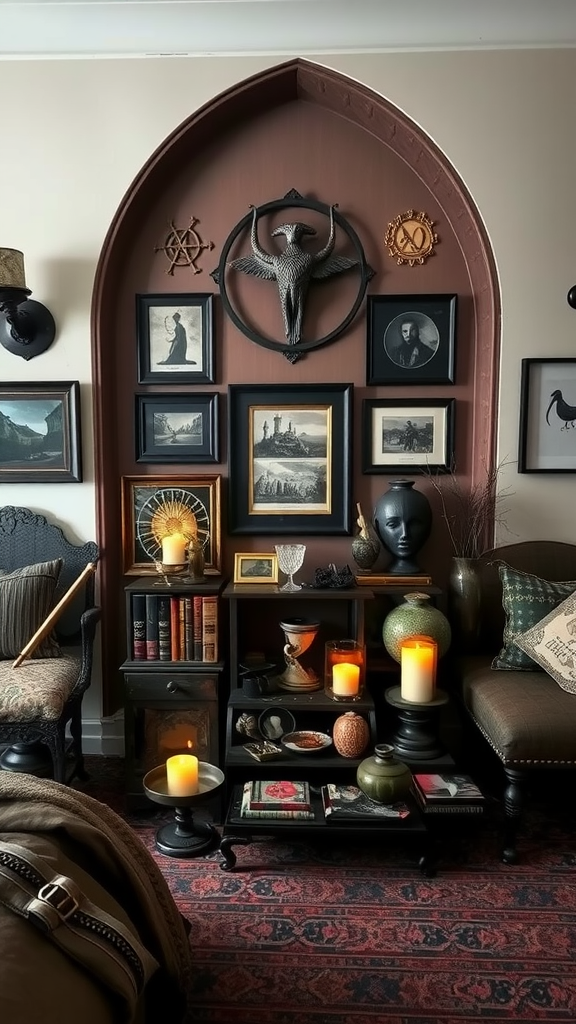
(135,28)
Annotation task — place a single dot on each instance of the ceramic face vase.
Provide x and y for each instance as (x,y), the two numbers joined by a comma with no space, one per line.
(403,520)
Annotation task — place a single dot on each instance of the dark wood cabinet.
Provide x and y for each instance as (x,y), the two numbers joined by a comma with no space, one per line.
(170,702)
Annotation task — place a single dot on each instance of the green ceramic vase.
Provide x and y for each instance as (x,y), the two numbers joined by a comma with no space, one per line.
(415,617)
(383,777)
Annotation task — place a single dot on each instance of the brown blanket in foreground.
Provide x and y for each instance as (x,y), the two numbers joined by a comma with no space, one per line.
(37,980)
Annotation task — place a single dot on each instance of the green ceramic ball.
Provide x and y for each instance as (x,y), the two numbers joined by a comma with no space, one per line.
(417,616)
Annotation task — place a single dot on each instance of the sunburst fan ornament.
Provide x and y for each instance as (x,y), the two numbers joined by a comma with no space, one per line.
(174,517)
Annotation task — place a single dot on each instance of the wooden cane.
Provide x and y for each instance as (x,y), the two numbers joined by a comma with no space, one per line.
(49,621)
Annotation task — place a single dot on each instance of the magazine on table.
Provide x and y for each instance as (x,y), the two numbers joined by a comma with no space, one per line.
(448,792)
(349,802)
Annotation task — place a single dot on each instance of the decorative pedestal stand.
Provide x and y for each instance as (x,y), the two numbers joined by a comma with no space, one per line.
(185,837)
(416,738)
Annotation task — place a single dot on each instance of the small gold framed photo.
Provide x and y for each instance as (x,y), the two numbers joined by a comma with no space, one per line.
(256,567)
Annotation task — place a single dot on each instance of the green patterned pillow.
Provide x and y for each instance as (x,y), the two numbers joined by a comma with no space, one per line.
(526,599)
(26,598)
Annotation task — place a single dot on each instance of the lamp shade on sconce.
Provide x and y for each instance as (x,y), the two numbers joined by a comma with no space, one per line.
(12,269)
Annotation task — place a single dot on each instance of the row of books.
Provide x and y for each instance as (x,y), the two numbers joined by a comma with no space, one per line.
(174,628)
(286,799)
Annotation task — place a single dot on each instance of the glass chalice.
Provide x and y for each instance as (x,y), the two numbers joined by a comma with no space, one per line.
(290,558)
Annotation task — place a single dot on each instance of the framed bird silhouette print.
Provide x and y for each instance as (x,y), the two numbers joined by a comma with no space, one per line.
(547,442)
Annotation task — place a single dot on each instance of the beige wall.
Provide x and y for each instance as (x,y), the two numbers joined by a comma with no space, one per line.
(75,133)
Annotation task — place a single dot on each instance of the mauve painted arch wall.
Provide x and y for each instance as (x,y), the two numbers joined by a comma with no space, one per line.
(296,125)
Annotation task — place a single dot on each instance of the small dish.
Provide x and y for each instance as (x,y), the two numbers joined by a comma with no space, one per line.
(306,741)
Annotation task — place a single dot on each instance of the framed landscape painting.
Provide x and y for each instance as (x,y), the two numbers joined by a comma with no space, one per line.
(177,427)
(256,567)
(410,339)
(547,442)
(40,433)
(175,339)
(407,433)
(289,453)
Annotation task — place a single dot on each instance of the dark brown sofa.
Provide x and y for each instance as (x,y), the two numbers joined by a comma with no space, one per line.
(526,717)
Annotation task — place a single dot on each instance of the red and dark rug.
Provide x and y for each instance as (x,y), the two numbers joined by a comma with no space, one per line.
(354,934)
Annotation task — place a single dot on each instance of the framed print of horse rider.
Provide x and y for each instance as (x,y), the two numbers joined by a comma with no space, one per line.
(407,433)
(410,339)
(175,339)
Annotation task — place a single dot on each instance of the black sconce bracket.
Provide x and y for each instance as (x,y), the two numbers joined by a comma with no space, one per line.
(27,328)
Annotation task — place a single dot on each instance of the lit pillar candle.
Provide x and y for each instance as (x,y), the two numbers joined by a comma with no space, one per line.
(182,775)
(174,549)
(417,663)
(346,679)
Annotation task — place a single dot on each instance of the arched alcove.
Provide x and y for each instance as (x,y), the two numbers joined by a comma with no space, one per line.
(303,126)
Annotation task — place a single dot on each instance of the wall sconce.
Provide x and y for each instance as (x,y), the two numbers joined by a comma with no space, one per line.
(27,328)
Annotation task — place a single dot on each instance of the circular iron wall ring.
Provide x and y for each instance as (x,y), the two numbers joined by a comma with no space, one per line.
(219,275)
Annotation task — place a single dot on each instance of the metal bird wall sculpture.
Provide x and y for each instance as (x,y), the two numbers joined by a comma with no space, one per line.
(563,410)
(293,268)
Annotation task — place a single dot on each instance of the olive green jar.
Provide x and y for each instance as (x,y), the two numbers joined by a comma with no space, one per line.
(383,777)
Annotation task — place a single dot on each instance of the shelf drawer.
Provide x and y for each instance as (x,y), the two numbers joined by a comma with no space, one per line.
(168,686)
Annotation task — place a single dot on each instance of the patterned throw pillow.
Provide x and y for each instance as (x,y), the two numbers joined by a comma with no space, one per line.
(26,598)
(552,644)
(526,599)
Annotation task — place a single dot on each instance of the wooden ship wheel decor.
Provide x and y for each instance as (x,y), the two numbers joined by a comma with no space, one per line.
(411,238)
(183,246)
(293,268)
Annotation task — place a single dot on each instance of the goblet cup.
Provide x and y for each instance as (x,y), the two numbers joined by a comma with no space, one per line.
(290,558)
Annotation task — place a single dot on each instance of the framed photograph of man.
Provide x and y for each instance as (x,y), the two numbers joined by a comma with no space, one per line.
(547,442)
(289,458)
(407,434)
(410,339)
(175,339)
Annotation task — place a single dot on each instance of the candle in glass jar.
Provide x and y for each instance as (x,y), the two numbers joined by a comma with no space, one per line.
(174,549)
(417,663)
(346,679)
(182,775)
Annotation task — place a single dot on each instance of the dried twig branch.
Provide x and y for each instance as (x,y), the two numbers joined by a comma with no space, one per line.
(471,515)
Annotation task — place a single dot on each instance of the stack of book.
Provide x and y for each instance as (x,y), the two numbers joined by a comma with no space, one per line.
(276,799)
(179,628)
(448,793)
(349,803)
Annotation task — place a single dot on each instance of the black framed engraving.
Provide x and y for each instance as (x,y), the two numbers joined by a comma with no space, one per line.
(175,339)
(289,452)
(177,428)
(407,434)
(40,433)
(547,442)
(410,339)
(157,507)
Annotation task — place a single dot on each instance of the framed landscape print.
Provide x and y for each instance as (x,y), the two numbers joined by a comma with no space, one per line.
(40,433)
(158,507)
(547,442)
(289,458)
(407,434)
(256,567)
(410,339)
(175,339)
(177,428)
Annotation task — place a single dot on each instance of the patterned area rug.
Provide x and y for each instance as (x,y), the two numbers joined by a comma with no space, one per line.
(355,934)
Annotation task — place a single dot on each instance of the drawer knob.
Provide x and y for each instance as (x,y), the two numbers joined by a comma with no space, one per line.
(172,687)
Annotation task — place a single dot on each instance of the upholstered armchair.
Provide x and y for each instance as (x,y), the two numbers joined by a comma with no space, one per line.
(41,697)
(526,717)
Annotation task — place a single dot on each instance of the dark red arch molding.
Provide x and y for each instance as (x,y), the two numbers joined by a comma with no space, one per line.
(288,82)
